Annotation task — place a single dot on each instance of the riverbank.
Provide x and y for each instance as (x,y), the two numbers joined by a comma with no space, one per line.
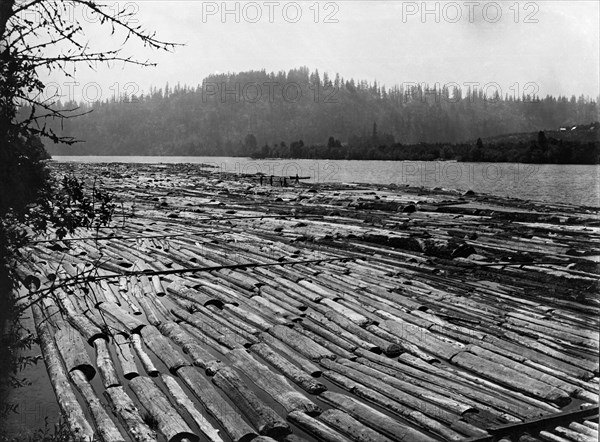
(330,311)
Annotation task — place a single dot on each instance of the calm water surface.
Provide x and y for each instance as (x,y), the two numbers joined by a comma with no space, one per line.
(556,183)
(574,184)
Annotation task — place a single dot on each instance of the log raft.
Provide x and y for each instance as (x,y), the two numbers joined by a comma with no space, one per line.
(467,314)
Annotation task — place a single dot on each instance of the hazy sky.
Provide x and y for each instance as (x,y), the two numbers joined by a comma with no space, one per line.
(544,47)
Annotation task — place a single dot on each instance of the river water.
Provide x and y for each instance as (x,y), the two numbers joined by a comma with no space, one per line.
(572,184)
(554,183)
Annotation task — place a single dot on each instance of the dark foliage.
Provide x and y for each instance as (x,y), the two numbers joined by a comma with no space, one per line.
(238,115)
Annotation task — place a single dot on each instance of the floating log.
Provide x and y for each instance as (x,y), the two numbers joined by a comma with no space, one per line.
(391,405)
(69,406)
(316,428)
(274,384)
(389,348)
(178,288)
(230,419)
(293,438)
(163,349)
(303,362)
(158,286)
(228,339)
(169,422)
(401,397)
(125,357)
(200,357)
(203,338)
(511,378)
(129,416)
(334,348)
(105,365)
(154,318)
(184,403)
(346,424)
(73,351)
(262,417)
(330,336)
(109,294)
(82,323)
(375,419)
(147,363)
(298,376)
(333,327)
(105,427)
(120,318)
(301,343)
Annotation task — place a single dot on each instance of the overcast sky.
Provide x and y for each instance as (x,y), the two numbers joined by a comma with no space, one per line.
(546,47)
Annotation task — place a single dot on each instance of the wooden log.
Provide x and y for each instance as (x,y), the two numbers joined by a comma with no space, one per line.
(73,351)
(293,438)
(427,394)
(151,313)
(254,319)
(400,397)
(185,404)
(525,405)
(272,292)
(321,321)
(581,428)
(228,339)
(389,348)
(163,349)
(297,291)
(70,409)
(444,385)
(574,435)
(316,428)
(127,322)
(262,417)
(429,424)
(105,427)
(298,359)
(331,336)
(235,427)
(274,384)
(109,293)
(270,307)
(125,357)
(334,348)
(346,424)
(348,313)
(178,288)
(301,343)
(170,423)
(212,316)
(82,323)
(200,356)
(226,317)
(403,344)
(203,338)
(105,365)
(511,378)
(129,416)
(158,285)
(377,420)
(299,377)
(147,363)
(527,370)
(422,338)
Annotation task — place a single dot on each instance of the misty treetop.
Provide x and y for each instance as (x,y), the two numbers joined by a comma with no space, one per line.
(270,114)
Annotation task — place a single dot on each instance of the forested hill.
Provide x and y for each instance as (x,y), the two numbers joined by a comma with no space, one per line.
(264,113)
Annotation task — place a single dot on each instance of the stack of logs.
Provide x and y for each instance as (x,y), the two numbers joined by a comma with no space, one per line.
(323,312)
